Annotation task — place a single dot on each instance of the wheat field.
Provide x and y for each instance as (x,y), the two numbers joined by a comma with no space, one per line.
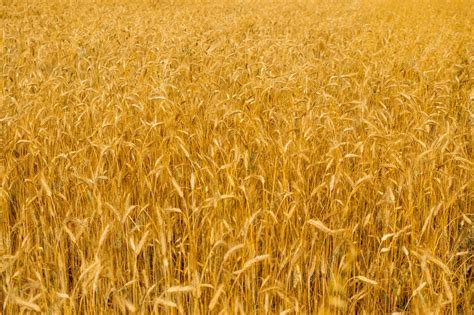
(237,157)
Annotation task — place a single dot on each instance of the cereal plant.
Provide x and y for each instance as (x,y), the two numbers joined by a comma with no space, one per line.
(237,157)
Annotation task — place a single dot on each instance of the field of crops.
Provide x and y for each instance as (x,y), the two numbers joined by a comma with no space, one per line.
(237,157)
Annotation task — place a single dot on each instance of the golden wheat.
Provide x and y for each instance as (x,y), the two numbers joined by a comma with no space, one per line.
(237,157)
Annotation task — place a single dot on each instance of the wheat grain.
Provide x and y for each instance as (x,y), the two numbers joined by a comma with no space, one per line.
(189,156)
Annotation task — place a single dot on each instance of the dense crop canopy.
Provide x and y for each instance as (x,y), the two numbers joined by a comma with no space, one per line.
(242,157)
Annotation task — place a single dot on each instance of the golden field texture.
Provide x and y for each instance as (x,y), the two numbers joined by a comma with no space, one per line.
(237,157)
